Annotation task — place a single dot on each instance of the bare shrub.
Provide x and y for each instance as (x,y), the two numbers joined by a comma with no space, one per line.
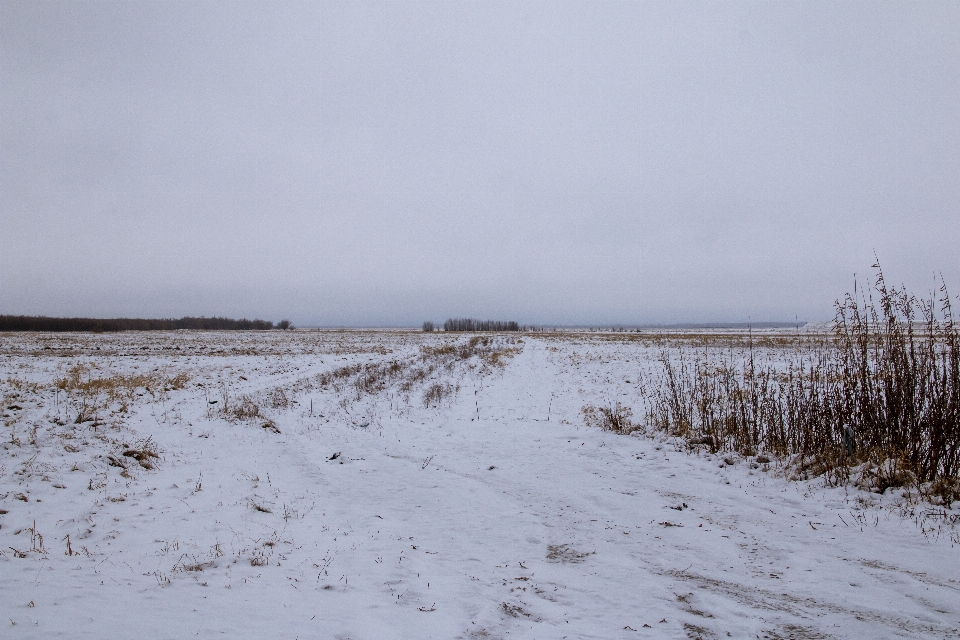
(340,373)
(144,453)
(374,378)
(270,425)
(944,490)
(613,417)
(415,376)
(243,409)
(437,392)
(278,399)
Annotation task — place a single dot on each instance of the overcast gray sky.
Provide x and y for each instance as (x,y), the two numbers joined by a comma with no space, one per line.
(558,162)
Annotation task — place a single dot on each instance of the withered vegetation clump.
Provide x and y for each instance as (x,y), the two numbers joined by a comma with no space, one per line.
(878,404)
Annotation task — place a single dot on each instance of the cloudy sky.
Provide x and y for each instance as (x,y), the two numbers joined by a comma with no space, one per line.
(558,162)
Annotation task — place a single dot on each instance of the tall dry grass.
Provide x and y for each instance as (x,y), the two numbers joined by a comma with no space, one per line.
(882,395)
(90,392)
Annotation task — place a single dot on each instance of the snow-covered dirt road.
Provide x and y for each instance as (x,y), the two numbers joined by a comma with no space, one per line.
(485,510)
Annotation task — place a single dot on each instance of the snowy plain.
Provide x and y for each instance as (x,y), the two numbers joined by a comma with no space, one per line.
(390,484)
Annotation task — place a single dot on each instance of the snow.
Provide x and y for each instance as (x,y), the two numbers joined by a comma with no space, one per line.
(492,513)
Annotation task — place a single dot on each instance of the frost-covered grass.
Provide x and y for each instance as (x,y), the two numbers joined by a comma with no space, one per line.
(390,484)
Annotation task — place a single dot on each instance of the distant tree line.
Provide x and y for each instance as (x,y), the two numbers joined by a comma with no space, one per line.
(469,324)
(102,325)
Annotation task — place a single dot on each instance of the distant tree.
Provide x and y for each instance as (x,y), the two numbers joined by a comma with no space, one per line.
(469,324)
(284,324)
(100,325)
(428,326)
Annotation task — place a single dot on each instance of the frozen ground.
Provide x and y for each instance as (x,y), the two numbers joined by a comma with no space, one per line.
(455,494)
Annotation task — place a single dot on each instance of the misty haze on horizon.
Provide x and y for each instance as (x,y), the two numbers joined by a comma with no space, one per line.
(553,163)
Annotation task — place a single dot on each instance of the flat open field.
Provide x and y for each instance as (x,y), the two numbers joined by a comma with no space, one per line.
(390,484)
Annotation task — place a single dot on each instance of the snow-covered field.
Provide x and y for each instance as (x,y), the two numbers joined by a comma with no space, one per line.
(376,484)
